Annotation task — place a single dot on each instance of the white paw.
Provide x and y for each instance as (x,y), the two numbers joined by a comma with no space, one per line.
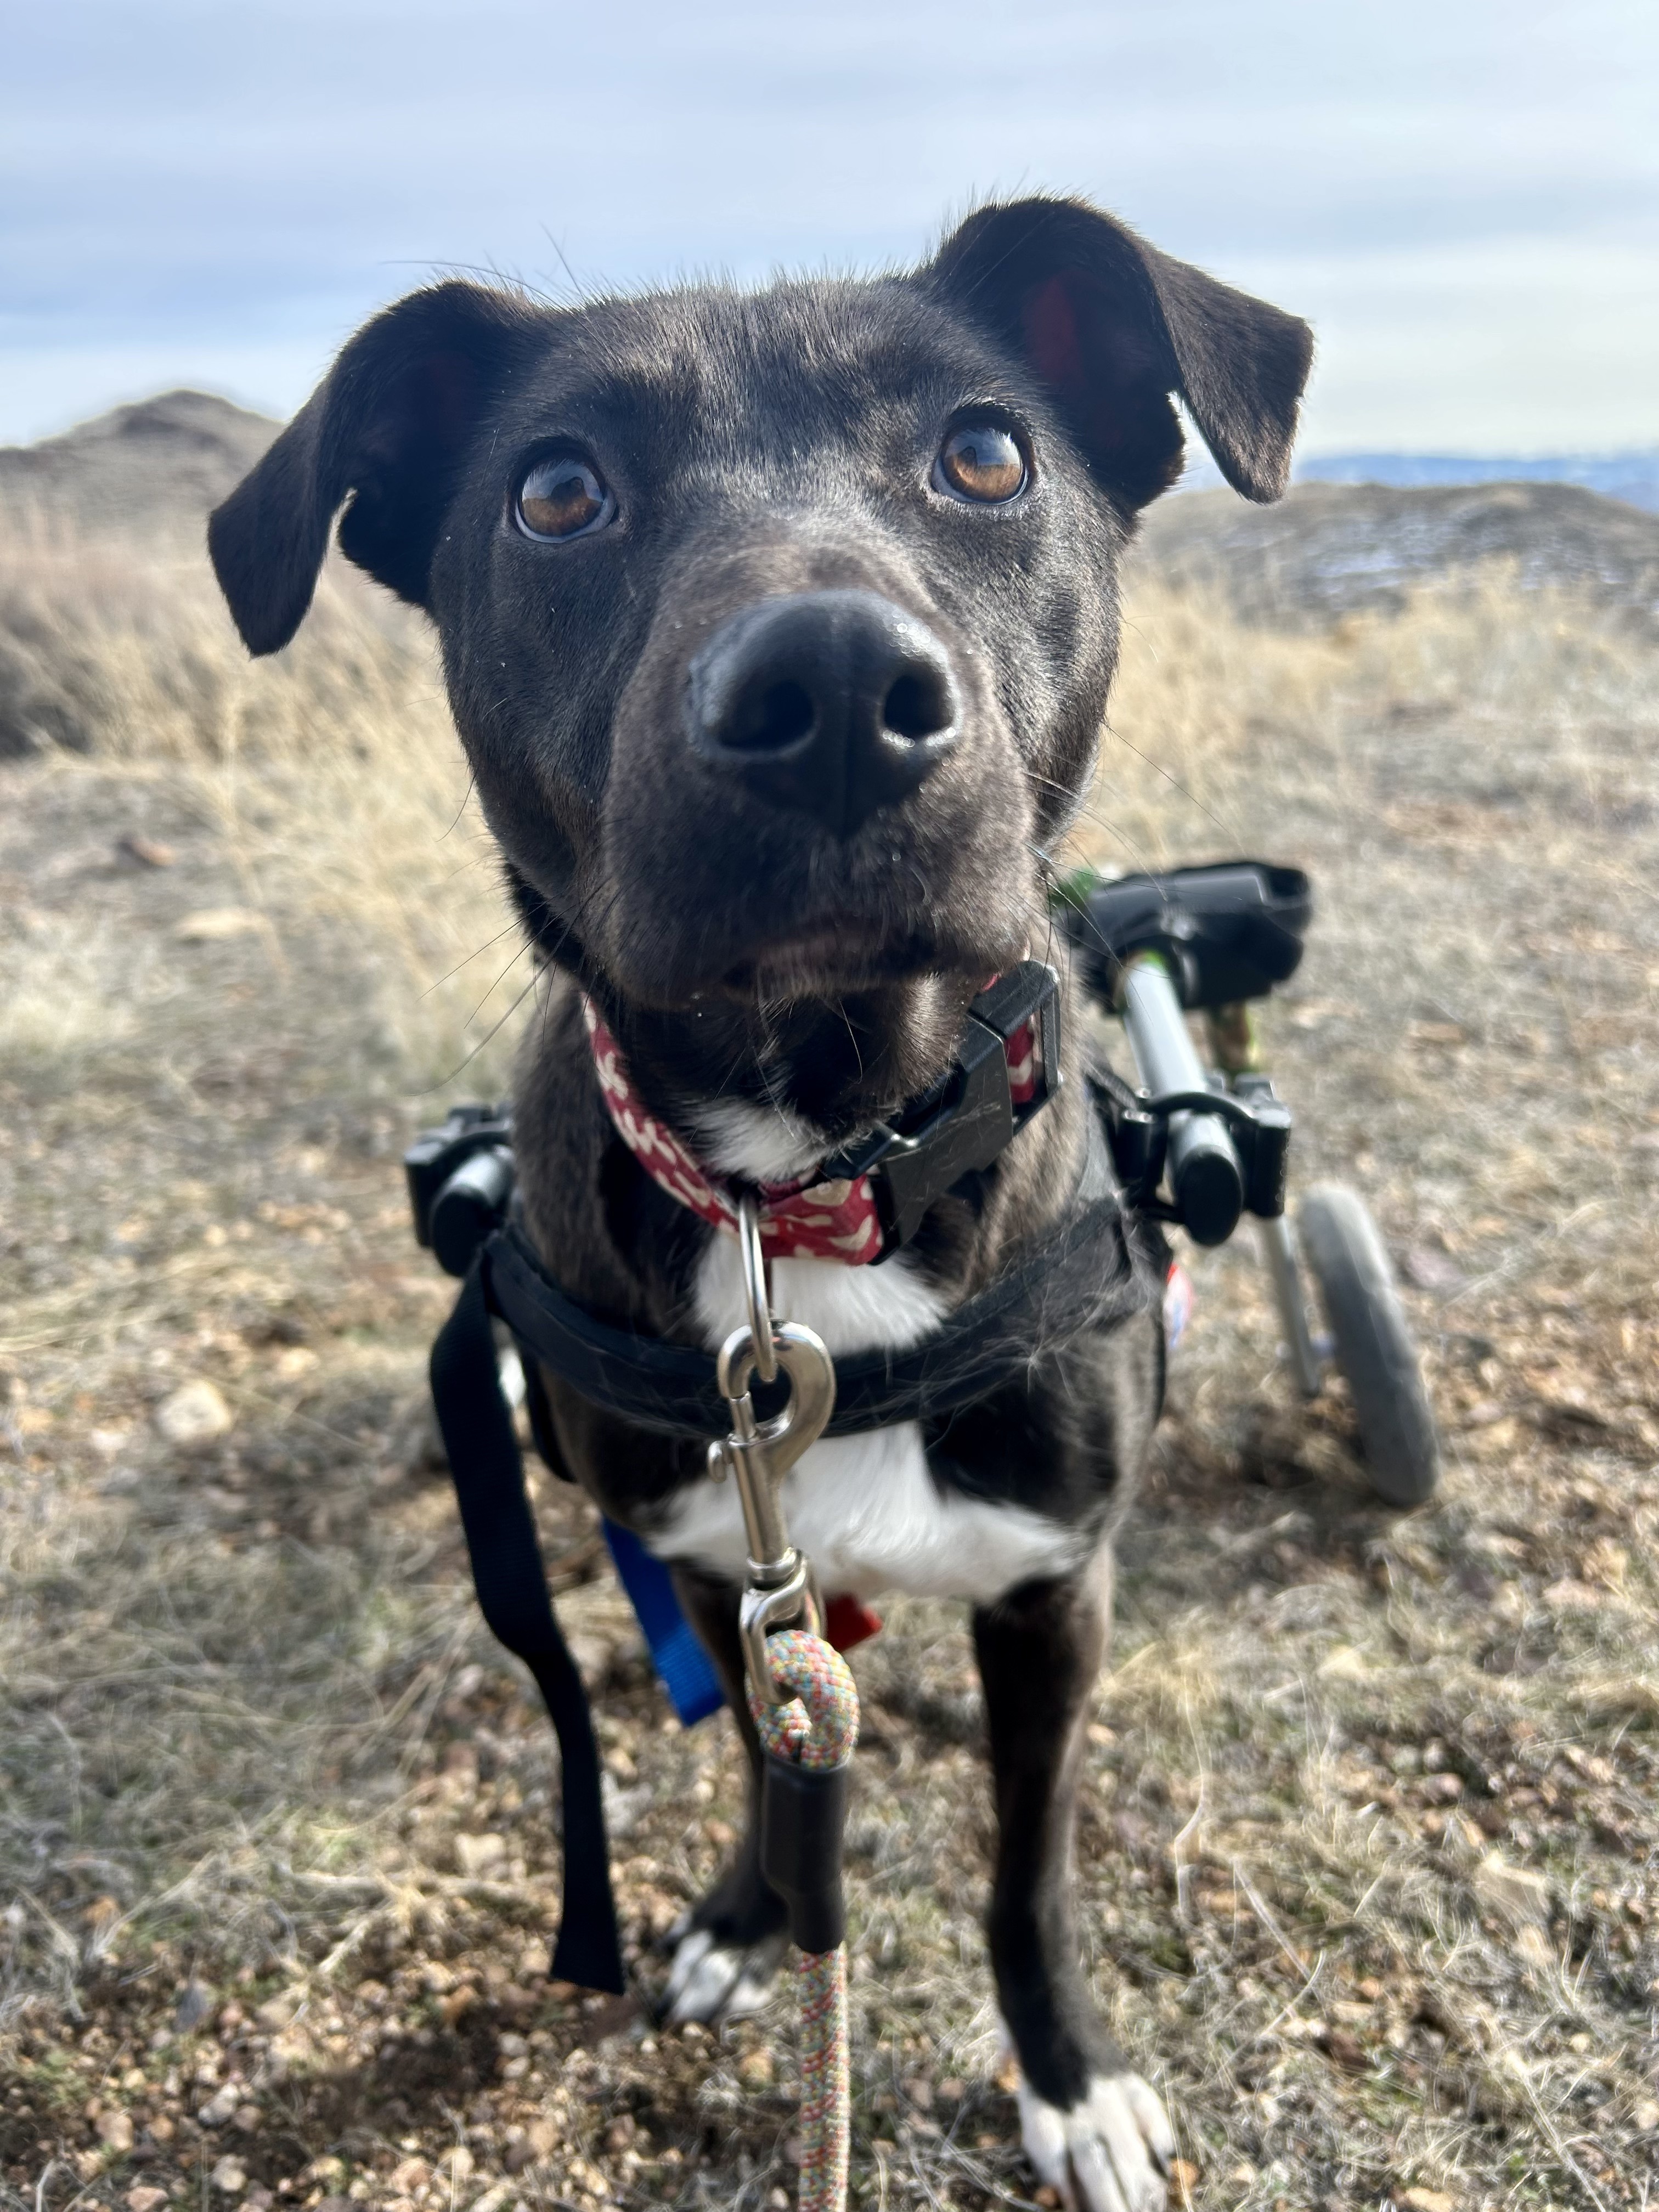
(1110,2154)
(711,1981)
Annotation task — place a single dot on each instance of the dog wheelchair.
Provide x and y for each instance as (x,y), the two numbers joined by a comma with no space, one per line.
(1200,1148)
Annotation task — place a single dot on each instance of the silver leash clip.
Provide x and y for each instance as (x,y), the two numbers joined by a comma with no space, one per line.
(781,1587)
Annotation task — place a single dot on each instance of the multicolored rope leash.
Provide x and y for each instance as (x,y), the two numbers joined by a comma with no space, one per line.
(801,1694)
(813,1737)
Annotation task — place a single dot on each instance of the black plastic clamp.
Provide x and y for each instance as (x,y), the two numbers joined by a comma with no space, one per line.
(803,1818)
(460,1180)
(961,1126)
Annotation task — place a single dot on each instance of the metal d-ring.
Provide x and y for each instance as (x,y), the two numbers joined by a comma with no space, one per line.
(757,1287)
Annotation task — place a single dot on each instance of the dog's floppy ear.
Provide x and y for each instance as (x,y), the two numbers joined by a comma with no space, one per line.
(1112,327)
(388,428)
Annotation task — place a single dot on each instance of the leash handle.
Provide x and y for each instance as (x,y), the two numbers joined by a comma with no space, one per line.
(809,1742)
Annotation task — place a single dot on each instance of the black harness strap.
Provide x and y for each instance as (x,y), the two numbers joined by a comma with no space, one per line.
(1090,1273)
(513,1594)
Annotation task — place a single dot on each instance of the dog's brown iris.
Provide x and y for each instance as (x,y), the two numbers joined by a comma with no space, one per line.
(563,496)
(982,461)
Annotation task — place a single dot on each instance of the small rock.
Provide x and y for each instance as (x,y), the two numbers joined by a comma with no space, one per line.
(1646,2116)
(1183,2182)
(1516,1892)
(145,2198)
(593,1655)
(143,853)
(195,1414)
(229,2176)
(1344,1664)
(195,2003)
(1429,1270)
(115,2130)
(221,2104)
(212,925)
(477,1856)
(1428,2200)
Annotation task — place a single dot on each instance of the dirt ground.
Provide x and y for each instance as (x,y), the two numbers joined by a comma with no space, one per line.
(1367,1851)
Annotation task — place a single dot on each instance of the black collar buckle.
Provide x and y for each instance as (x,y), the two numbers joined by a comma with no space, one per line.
(963,1123)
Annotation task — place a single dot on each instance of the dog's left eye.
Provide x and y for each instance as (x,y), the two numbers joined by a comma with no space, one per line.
(563,497)
(982,461)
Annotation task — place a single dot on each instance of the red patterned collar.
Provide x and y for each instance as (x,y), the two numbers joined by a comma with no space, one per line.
(833,1220)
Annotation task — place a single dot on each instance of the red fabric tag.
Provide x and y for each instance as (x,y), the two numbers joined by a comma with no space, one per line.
(849,1623)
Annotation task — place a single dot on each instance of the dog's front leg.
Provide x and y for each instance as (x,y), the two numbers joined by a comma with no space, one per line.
(729,1945)
(1092,2128)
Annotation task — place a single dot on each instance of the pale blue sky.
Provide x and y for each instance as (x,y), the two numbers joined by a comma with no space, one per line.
(1461,195)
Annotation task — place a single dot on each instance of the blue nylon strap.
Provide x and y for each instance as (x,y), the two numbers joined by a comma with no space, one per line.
(682,1664)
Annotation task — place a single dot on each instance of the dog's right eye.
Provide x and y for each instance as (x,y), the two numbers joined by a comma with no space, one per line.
(562,498)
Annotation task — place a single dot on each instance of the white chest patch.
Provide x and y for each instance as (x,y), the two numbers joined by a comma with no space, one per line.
(865,1510)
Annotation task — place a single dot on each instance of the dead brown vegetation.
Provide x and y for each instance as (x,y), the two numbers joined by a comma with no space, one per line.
(1369,1844)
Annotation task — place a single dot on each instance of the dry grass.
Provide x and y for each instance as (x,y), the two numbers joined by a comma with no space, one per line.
(330,776)
(1368,1847)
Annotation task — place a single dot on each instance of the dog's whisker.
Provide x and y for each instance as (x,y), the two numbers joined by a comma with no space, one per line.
(511,928)
(444,1082)
(496,985)
(1228,829)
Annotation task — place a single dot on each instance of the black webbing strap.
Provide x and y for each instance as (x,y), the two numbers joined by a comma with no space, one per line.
(1088,1274)
(513,1594)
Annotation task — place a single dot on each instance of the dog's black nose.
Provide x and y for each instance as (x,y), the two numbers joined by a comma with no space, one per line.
(833,702)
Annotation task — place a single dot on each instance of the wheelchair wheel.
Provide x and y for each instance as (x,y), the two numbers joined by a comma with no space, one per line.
(1372,1344)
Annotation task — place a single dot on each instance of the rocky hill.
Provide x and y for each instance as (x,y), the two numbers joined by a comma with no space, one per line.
(1326,549)
(164,460)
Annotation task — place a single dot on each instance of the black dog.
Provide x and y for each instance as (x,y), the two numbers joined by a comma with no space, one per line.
(778,627)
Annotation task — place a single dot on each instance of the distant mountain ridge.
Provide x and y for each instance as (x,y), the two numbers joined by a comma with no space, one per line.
(1632,476)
